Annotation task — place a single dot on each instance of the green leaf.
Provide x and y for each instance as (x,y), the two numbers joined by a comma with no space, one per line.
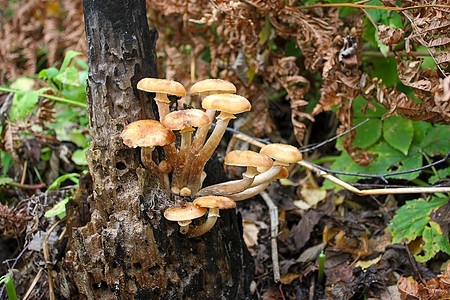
(368,133)
(23,104)
(58,181)
(49,73)
(58,210)
(23,84)
(69,76)
(79,157)
(433,242)
(398,132)
(410,220)
(420,131)
(69,56)
(5,180)
(437,140)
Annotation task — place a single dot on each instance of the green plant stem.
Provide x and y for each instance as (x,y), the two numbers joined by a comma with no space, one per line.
(9,284)
(56,98)
(321,266)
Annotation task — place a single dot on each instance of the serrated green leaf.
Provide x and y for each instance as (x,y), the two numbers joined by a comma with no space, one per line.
(398,132)
(23,103)
(410,220)
(433,242)
(437,140)
(368,133)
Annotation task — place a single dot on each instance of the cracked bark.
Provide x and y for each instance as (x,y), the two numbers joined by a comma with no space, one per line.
(124,248)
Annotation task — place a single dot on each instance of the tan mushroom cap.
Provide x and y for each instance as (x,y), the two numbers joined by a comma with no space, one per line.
(210,86)
(283,174)
(180,119)
(282,154)
(184,213)
(248,158)
(158,85)
(229,103)
(146,133)
(219,202)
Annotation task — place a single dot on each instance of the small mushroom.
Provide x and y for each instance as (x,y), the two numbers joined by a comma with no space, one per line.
(148,134)
(245,158)
(184,215)
(162,88)
(185,121)
(255,190)
(283,155)
(214,204)
(228,105)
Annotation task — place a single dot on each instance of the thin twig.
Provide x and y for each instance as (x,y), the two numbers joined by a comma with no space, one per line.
(273,212)
(47,259)
(364,6)
(323,172)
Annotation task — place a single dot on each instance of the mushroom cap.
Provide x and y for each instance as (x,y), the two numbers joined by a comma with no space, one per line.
(283,174)
(248,158)
(180,119)
(165,86)
(219,202)
(282,154)
(146,133)
(184,213)
(229,103)
(212,86)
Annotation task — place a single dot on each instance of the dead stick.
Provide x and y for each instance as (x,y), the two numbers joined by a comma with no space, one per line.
(273,212)
(349,187)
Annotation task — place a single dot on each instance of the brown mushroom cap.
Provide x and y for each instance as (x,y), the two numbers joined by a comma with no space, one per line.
(180,119)
(164,86)
(230,103)
(248,158)
(146,133)
(184,213)
(210,86)
(219,202)
(282,154)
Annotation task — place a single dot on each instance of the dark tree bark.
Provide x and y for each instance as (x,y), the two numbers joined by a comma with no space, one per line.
(124,248)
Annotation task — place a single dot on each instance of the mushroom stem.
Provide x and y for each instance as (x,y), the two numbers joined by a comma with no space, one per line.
(180,167)
(250,192)
(267,176)
(163,103)
(226,188)
(199,160)
(184,226)
(199,230)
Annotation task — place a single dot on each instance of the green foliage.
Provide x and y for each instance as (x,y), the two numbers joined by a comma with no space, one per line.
(9,284)
(394,144)
(58,210)
(413,221)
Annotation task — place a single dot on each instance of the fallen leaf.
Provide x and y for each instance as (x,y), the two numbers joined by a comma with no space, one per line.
(364,264)
(288,278)
(312,195)
(408,287)
(250,233)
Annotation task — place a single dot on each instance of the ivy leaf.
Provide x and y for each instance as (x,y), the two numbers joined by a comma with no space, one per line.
(398,132)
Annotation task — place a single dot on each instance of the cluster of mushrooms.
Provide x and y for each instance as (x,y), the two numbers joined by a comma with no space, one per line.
(181,172)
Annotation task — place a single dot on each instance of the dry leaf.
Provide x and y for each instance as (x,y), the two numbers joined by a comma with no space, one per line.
(251,232)
(313,195)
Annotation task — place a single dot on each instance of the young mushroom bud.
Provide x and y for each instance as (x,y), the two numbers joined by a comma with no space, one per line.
(184,215)
(148,134)
(228,105)
(213,203)
(185,121)
(245,158)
